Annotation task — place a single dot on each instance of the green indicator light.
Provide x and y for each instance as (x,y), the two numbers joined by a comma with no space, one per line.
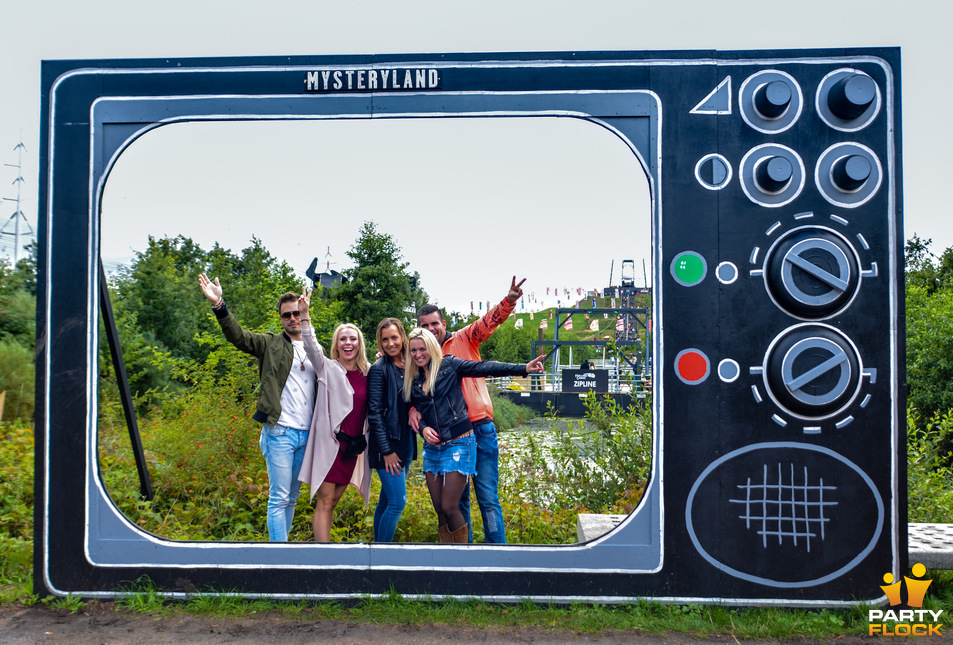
(689,268)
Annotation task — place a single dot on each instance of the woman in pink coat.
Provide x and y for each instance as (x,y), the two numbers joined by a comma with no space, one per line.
(340,419)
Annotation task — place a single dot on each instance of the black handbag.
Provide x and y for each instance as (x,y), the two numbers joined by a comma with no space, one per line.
(351,446)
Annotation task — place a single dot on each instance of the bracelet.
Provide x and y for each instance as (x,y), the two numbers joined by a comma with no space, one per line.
(305,319)
(218,305)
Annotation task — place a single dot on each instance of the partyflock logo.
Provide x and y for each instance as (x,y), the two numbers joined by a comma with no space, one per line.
(905,622)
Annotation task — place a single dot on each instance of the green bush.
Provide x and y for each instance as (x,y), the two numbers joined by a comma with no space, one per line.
(596,465)
(17,369)
(929,476)
(506,414)
(16,480)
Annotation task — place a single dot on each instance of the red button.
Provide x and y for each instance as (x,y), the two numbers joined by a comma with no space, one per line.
(692,366)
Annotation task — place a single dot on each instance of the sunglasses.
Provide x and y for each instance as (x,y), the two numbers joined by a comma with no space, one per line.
(288,314)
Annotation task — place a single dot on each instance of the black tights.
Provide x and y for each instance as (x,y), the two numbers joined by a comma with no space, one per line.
(445,492)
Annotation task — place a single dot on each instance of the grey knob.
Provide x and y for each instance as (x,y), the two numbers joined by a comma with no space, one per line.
(849,173)
(773,174)
(851,96)
(772,99)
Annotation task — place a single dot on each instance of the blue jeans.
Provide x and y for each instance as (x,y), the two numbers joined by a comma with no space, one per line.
(283,449)
(390,504)
(486,483)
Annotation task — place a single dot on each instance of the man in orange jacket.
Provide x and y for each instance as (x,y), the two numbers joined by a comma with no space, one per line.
(465,343)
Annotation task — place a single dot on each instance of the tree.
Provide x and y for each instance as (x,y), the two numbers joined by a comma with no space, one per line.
(379,284)
(929,351)
(509,344)
(18,337)
(162,315)
(929,322)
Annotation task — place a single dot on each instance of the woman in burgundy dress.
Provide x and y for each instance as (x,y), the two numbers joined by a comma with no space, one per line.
(340,418)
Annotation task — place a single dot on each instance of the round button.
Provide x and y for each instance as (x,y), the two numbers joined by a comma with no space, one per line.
(726,272)
(713,171)
(688,268)
(692,366)
(729,370)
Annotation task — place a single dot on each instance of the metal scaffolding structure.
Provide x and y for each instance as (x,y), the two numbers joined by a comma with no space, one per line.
(10,233)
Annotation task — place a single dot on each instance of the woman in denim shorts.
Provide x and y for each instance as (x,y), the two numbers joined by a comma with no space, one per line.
(432,383)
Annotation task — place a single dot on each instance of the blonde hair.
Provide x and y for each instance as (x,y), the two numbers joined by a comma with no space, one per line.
(362,363)
(410,368)
(392,322)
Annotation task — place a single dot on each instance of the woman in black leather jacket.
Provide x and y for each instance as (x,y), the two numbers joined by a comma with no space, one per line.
(393,445)
(432,382)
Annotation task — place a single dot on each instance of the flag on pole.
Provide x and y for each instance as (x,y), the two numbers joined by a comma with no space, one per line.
(568,325)
(544,324)
(619,324)
(594,325)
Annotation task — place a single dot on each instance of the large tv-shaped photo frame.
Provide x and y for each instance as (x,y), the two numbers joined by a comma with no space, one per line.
(778,411)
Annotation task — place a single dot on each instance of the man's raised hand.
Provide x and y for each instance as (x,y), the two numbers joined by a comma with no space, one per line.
(304,304)
(211,290)
(515,291)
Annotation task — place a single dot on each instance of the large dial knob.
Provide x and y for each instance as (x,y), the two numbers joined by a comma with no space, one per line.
(812,371)
(812,272)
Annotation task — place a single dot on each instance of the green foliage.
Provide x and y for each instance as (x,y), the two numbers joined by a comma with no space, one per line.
(207,472)
(599,465)
(16,480)
(929,475)
(17,379)
(21,277)
(925,270)
(69,602)
(142,597)
(17,339)
(929,351)
(379,285)
(506,414)
(509,344)
(161,288)
(18,317)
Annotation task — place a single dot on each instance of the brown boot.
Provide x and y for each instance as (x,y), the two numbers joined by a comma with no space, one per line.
(443,532)
(461,535)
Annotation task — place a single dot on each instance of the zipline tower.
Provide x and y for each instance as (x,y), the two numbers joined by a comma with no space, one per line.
(11,228)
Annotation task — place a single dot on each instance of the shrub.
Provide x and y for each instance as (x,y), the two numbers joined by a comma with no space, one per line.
(929,476)
(596,465)
(506,414)
(17,369)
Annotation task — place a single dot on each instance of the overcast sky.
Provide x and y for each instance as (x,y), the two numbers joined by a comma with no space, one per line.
(515,179)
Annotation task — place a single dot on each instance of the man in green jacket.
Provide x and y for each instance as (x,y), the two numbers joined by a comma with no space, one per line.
(285,399)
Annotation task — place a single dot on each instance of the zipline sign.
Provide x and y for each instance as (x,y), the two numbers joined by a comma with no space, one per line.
(778,439)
